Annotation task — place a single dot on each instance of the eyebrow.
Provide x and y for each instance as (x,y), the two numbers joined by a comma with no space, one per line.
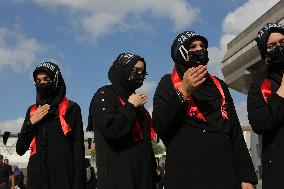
(43,78)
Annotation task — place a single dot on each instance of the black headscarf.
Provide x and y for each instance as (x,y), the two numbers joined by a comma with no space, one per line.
(53,92)
(120,71)
(264,34)
(207,97)
(182,57)
(274,58)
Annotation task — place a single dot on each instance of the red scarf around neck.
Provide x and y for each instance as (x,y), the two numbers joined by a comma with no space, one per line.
(136,130)
(192,109)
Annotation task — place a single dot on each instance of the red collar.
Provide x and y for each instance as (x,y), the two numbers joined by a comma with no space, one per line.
(192,109)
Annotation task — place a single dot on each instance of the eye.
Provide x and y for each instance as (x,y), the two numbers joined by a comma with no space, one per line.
(192,46)
(271,46)
(47,79)
(37,80)
(203,46)
(137,70)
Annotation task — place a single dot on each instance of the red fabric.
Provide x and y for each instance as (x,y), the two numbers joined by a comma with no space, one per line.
(33,143)
(62,110)
(136,130)
(223,103)
(192,109)
(265,89)
(65,127)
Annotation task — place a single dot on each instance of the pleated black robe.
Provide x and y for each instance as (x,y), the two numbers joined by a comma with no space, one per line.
(122,162)
(267,120)
(65,155)
(200,154)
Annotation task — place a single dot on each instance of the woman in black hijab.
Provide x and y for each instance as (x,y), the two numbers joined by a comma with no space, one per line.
(53,131)
(122,126)
(194,115)
(265,105)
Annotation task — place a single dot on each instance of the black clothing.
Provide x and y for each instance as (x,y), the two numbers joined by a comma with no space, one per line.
(264,34)
(92,183)
(125,158)
(5,173)
(56,89)
(59,161)
(120,71)
(19,180)
(275,59)
(122,162)
(180,55)
(266,119)
(200,155)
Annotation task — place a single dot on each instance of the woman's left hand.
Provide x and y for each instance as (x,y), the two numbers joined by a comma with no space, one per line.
(247,185)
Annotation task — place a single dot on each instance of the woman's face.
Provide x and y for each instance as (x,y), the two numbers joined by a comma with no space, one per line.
(274,39)
(42,77)
(139,67)
(196,45)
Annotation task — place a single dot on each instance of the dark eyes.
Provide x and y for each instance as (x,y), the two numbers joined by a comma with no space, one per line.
(272,45)
(138,70)
(43,80)
(193,46)
(203,46)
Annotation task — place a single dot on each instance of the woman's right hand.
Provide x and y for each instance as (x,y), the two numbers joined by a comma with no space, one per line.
(40,113)
(138,99)
(192,79)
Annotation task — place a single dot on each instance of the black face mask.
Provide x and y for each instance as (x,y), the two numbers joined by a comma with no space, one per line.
(45,90)
(275,59)
(199,57)
(136,80)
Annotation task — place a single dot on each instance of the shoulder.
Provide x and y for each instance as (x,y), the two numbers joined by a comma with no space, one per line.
(165,81)
(255,86)
(223,85)
(165,78)
(104,96)
(104,92)
(74,106)
(221,81)
(29,109)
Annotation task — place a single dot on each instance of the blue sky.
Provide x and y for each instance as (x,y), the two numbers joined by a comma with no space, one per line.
(84,37)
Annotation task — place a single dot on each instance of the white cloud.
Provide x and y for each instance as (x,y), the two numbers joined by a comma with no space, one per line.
(234,23)
(13,126)
(148,87)
(17,51)
(98,18)
(242,17)
(216,55)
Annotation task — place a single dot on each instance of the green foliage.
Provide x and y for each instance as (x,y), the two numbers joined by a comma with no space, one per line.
(157,148)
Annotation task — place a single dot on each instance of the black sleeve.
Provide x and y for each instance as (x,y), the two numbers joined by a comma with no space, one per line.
(263,117)
(112,121)
(168,110)
(244,164)
(78,146)
(26,135)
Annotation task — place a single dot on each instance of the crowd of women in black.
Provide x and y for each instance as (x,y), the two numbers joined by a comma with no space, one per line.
(193,114)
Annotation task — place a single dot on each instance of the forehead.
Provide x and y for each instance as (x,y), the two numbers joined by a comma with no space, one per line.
(139,64)
(41,74)
(275,36)
(196,41)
